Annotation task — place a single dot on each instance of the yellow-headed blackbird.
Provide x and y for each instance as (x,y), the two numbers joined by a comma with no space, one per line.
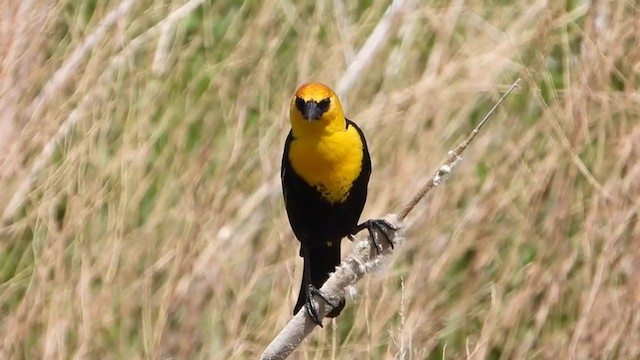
(325,173)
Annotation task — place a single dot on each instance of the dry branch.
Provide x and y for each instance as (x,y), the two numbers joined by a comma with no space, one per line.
(363,259)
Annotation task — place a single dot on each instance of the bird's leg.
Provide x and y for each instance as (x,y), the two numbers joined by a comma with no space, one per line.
(375,226)
(311,291)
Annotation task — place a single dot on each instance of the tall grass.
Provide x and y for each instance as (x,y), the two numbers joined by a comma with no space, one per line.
(140,145)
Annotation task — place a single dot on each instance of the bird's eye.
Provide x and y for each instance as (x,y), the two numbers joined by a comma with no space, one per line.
(324,104)
(299,104)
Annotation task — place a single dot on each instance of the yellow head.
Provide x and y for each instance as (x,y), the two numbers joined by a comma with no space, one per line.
(316,111)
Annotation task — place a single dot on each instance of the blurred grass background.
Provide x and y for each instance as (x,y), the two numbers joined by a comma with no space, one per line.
(140,146)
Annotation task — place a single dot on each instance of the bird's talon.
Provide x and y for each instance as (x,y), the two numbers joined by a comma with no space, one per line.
(374,244)
(312,314)
(311,310)
(388,224)
(381,226)
(317,292)
(373,234)
(375,226)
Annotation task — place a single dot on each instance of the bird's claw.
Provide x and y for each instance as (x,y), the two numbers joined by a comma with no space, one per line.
(376,226)
(311,309)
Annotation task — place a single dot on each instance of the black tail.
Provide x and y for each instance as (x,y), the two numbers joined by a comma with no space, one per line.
(322,261)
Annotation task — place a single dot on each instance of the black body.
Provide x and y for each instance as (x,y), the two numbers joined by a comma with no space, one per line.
(318,224)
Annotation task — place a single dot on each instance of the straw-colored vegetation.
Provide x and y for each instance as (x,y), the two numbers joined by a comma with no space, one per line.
(140,148)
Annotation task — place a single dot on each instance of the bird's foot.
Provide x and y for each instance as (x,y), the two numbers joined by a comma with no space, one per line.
(375,227)
(311,309)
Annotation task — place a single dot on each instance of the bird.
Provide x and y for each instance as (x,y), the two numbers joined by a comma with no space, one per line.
(325,173)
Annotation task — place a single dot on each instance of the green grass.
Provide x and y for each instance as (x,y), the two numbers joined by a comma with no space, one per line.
(156,229)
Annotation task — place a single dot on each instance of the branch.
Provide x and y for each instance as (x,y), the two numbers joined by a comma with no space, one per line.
(453,158)
(363,259)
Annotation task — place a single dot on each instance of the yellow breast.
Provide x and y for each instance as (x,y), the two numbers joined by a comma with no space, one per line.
(330,163)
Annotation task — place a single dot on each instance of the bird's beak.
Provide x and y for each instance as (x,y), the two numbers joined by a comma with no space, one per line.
(311,111)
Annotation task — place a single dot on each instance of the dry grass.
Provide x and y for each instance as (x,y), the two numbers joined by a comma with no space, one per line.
(152,224)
